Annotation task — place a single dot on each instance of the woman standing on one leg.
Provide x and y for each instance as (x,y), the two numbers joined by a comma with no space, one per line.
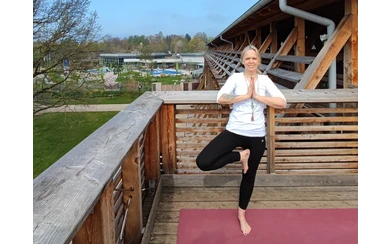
(246,91)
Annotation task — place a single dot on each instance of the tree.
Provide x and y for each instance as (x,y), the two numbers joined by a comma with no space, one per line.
(178,44)
(187,37)
(196,45)
(202,36)
(134,42)
(62,30)
(146,55)
(110,80)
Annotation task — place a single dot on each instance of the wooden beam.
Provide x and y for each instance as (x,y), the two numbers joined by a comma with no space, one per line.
(168,138)
(99,227)
(267,42)
(325,57)
(152,150)
(300,44)
(274,33)
(351,47)
(284,49)
(257,41)
(270,140)
(132,197)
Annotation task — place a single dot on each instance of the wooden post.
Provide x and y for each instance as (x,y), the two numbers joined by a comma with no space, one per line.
(300,45)
(168,138)
(258,40)
(131,177)
(270,140)
(152,150)
(351,47)
(99,227)
(274,34)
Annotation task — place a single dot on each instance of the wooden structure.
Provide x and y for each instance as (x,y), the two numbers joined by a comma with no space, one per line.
(96,192)
(289,37)
(126,182)
(221,192)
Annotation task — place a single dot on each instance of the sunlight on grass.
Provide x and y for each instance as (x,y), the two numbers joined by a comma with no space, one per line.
(57,133)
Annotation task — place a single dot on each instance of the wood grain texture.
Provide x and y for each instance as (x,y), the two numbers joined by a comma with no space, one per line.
(292,96)
(271,191)
(76,181)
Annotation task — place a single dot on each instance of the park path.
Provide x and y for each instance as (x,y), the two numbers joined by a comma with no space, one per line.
(87,108)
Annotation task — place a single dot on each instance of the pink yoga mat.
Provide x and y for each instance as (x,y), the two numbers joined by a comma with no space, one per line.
(269,226)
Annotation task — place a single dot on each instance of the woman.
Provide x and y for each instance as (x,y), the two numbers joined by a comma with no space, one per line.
(246,93)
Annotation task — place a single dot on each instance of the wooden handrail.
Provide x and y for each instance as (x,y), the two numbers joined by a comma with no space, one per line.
(66,193)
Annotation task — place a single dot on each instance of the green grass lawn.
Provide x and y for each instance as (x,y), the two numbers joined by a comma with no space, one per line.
(57,133)
(125,98)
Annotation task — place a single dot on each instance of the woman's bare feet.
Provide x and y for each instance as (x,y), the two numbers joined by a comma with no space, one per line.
(244,156)
(245,227)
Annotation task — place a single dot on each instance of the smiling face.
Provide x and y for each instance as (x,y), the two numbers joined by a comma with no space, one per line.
(251,60)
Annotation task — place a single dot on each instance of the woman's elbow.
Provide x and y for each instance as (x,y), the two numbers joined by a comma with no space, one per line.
(281,104)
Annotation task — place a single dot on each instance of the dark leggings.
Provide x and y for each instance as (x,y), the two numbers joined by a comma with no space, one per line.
(219,152)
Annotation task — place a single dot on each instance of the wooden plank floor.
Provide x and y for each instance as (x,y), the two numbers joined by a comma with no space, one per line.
(221,192)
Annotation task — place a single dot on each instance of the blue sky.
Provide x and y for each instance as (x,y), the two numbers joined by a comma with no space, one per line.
(123,18)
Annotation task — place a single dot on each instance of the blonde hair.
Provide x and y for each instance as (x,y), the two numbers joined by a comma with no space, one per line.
(247,48)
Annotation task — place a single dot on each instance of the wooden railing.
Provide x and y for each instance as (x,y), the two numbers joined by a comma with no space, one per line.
(95,193)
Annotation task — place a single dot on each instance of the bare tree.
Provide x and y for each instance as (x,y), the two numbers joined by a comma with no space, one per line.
(63,31)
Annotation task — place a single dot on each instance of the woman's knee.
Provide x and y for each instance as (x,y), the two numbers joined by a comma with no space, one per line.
(202,163)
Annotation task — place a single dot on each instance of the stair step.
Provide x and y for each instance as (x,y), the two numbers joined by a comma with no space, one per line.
(285,74)
(296,59)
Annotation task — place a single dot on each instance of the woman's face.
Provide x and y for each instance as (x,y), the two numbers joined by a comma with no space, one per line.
(251,60)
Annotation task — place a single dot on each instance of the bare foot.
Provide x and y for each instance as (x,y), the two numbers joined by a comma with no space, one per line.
(245,227)
(244,156)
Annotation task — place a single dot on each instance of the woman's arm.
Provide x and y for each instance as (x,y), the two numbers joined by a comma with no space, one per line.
(276,98)
(229,99)
(276,102)
(225,94)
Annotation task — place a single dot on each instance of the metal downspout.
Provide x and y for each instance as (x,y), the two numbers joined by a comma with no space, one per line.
(320,20)
(220,37)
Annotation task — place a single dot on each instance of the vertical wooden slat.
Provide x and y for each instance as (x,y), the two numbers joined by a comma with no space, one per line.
(209,84)
(131,175)
(284,49)
(159,117)
(351,47)
(239,43)
(274,34)
(247,38)
(300,45)
(325,57)
(152,150)
(168,139)
(258,40)
(99,227)
(270,140)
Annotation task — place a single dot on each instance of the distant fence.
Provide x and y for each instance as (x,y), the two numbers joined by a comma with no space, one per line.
(183,86)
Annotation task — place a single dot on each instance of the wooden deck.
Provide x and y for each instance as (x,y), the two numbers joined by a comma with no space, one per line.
(221,191)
